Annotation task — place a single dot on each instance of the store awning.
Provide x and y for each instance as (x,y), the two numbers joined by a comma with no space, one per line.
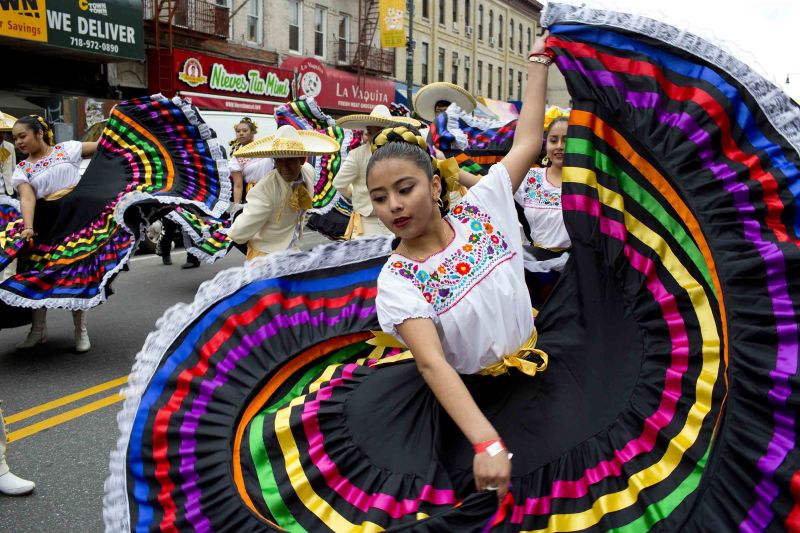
(17,106)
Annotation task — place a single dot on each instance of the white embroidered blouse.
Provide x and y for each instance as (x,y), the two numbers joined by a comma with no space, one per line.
(474,289)
(52,173)
(252,169)
(541,202)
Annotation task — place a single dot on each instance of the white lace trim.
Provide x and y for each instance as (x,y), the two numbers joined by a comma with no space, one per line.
(7,200)
(196,238)
(180,316)
(548,265)
(775,104)
(130,200)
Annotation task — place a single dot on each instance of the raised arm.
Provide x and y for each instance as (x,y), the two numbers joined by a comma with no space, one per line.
(88,149)
(530,125)
(348,173)
(422,339)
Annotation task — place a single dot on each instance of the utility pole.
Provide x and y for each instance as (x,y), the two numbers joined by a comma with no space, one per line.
(410,54)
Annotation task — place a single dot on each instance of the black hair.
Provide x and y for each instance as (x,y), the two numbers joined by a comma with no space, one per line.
(401,141)
(38,124)
(445,103)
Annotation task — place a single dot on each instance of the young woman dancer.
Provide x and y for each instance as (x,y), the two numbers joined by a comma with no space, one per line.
(49,173)
(450,272)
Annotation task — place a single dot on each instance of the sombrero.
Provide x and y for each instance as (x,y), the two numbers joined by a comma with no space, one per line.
(426,98)
(6,121)
(379,116)
(289,142)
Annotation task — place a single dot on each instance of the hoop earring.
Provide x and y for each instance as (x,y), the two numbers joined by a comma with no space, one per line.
(440,203)
(546,161)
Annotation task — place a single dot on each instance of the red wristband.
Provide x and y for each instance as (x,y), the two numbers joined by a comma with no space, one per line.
(547,53)
(484,446)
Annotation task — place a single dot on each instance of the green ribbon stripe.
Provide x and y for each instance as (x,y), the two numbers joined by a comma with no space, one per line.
(258,451)
(641,196)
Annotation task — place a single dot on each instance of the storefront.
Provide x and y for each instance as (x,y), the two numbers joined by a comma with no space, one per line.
(337,91)
(58,52)
(225,90)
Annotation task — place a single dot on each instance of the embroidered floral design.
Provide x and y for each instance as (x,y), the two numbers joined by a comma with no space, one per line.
(464,267)
(57,156)
(536,195)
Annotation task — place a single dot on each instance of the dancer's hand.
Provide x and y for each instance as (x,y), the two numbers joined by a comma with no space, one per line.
(28,234)
(439,154)
(541,43)
(492,473)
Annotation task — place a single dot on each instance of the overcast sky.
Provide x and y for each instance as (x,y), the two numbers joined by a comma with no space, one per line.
(769,30)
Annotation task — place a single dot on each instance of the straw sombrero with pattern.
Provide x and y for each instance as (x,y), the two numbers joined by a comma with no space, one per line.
(380,116)
(426,98)
(289,142)
(6,121)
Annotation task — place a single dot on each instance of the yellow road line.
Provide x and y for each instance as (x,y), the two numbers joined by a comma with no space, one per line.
(33,411)
(27,431)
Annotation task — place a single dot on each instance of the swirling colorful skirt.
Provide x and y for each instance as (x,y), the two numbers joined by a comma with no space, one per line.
(154,154)
(671,399)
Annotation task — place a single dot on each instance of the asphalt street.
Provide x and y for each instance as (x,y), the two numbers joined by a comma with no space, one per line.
(65,447)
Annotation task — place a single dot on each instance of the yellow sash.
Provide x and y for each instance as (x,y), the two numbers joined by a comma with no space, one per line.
(518,359)
(354,227)
(58,194)
(252,253)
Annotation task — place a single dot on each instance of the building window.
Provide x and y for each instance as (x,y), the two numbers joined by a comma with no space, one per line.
(499,82)
(454,78)
(455,12)
(295,25)
(426,9)
(511,35)
(441,12)
(440,75)
(479,78)
(529,39)
(520,37)
(424,63)
(491,24)
(511,84)
(319,31)
(467,72)
(467,12)
(500,31)
(519,85)
(344,36)
(480,23)
(254,24)
(491,77)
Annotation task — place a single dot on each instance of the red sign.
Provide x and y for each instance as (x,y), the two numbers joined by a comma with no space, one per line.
(337,89)
(229,85)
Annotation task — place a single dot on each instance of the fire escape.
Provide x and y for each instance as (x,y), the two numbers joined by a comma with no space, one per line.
(181,22)
(369,58)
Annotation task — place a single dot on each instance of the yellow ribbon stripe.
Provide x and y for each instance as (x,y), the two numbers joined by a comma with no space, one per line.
(689,433)
(297,476)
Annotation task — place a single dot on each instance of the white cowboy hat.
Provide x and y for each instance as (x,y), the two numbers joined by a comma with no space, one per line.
(6,121)
(379,116)
(289,142)
(426,98)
